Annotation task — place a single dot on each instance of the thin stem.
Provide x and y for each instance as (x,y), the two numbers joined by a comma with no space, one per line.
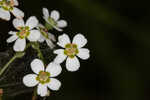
(37,48)
(44,98)
(17,55)
(34,97)
(7,64)
(10,85)
(40,54)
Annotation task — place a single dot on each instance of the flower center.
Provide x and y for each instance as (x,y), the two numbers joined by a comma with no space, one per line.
(7,4)
(43,77)
(23,32)
(71,50)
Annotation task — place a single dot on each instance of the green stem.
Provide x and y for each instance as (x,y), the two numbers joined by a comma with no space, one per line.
(34,97)
(7,64)
(40,54)
(17,55)
(37,48)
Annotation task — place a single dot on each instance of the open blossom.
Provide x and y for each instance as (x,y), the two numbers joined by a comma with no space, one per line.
(24,31)
(71,50)
(46,36)
(53,19)
(7,6)
(43,78)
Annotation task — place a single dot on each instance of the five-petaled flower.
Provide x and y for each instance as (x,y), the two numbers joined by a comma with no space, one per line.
(71,50)
(24,31)
(53,19)
(7,6)
(46,36)
(43,77)
(33,31)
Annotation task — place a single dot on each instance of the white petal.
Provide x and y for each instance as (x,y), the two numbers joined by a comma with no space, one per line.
(54,69)
(41,39)
(41,26)
(80,40)
(42,90)
(46,19)
(5,15)
(60,57)
(72,64)
(54,84)
(12,32)
(34,35)
(62,23)
(83,53)
(63,40)
(19,45)
(17,13)
(59,51)
(16,3)
(57,28)
(32,22)
(18,23)
(55,15)
(46,13)
(30,80)
(51,36)
(12,38)
(50,43)
(37,66)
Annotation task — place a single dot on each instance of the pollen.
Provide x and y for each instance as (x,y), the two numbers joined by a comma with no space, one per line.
(43,77)
(71,50)
(23,32)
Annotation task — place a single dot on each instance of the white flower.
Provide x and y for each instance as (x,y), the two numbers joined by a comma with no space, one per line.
(53,19)
(46,36)
(71,50)
(24,31)
(43,78)
(7,6)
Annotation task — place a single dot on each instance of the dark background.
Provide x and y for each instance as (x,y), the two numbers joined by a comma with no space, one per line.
(118,36)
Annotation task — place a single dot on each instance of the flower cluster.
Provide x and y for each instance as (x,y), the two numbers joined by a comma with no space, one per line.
(33,32)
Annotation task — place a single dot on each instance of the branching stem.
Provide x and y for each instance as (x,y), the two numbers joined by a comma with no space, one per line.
(7,64)
(17,55)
